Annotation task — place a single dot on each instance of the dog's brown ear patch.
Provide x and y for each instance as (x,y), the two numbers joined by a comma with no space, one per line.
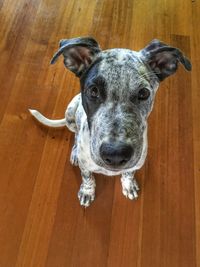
(78,53)
(163,59)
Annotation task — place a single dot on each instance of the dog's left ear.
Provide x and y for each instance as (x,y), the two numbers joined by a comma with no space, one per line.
(78,53)
(163,59)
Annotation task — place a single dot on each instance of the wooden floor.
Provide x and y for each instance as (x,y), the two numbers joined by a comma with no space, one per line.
(41,221)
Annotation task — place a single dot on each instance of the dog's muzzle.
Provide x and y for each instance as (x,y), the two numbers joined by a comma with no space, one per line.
(116,155)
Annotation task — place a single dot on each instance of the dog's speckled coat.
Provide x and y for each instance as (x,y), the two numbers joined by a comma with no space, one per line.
(112,107)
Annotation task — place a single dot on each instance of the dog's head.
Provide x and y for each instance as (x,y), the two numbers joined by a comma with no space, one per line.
(118,88)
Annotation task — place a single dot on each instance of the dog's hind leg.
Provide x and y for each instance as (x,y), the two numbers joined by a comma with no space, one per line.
(70,113)
(74,153)
(130,187)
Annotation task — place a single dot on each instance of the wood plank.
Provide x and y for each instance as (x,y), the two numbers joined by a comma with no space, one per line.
(41,221)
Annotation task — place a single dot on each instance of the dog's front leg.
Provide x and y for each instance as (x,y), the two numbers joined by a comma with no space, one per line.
(129,185)
(86,193)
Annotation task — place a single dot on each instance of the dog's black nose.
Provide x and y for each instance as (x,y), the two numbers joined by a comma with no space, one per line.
(116,154)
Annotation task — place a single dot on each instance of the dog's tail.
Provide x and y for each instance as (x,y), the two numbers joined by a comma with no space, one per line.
(47,122)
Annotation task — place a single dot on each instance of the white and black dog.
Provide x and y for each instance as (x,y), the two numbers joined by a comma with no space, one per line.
(109,116)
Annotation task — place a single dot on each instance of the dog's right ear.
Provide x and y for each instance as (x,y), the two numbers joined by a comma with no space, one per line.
(79,53)
(163,59)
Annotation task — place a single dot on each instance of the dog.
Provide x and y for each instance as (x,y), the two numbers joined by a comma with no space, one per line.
(109,116)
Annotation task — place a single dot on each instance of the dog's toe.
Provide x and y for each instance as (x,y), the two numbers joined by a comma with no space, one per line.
(74,156)
(85,199)
(131,190)
(133,194)
(74,160)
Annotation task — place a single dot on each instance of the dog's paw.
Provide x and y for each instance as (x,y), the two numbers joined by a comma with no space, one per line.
(130,189)
(85,197)
(74,156)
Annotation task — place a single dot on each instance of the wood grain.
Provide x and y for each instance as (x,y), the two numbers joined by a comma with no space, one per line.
(41,221)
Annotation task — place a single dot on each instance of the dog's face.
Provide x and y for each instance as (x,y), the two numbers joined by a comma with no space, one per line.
(118,89)
(117,95)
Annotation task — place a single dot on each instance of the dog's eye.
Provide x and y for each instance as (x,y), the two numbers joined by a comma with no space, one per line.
(143,94)
(93,92)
